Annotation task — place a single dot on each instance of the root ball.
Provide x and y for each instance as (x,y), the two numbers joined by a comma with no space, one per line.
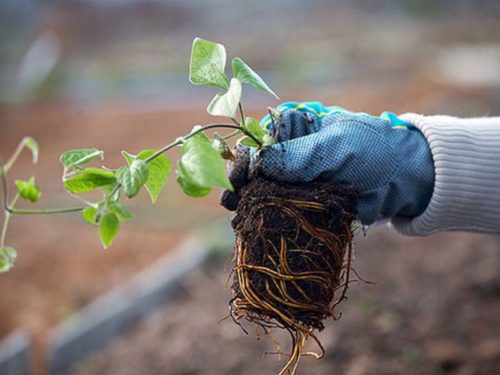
(292,257)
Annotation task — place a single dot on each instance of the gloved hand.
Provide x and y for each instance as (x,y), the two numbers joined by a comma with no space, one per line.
(386,159)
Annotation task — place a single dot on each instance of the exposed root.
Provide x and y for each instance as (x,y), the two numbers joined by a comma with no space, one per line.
(293,252)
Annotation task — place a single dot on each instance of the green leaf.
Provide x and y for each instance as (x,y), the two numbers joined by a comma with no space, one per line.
(207,64)
(254,127)
(201,167)
(247,75)
(7,257)
(30,143)
(5,265)
(119,210)
(78,157)
(89,214)
(226,104)
(8,253)
(108,228)
(28,190)
(249,142)
(89,179)
(188,187)
(159,170)
(133,178)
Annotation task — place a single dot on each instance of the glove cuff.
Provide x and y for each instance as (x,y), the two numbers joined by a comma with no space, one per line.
(467,175)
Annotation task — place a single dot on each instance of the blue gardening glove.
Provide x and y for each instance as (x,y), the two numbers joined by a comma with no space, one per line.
(386,159)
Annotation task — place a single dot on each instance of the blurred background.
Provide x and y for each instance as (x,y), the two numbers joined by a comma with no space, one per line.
(112,74)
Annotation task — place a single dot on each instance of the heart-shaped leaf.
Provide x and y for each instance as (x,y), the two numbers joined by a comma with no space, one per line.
(201,167)
(225,104)
(207,64)
(159,170)
(188,187)
(108,228)
(89,214)
(133,177)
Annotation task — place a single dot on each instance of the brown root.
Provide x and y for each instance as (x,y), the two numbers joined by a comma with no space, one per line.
(293,253)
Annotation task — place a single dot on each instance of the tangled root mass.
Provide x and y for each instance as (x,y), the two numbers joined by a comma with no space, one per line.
(292,257)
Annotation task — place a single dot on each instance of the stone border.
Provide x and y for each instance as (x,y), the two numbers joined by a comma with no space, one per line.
(111,314)
(15,354)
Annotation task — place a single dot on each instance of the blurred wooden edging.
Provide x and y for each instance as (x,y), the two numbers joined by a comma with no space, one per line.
(111,314)
(15,354)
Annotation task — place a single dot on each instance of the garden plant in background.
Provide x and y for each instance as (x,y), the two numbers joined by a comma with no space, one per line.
(293,241)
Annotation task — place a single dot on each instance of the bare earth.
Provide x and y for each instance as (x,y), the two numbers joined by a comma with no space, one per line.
(433,309)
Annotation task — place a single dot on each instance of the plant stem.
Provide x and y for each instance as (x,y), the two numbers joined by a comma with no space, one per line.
(10,210)
(44,211)
(203,128)
(6,221)
(13,158)
(232,134)
(242,114)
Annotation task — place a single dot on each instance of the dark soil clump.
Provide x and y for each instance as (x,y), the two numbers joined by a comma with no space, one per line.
(293,253)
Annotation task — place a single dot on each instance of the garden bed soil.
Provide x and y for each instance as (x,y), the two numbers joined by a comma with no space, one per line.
(61,263)
(434,309)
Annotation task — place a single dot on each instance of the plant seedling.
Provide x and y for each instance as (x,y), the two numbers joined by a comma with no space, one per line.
(200,168)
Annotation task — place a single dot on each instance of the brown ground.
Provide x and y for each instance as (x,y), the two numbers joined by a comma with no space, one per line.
(61,264)
(433,310)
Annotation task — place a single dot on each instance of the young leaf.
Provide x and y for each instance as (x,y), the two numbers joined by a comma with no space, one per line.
(108,228)
(89,179)
(33,146)
(188,187)
(207,64)
(254,127)
(249,142)
(5,265)
(121,212)
(133,177)
(89,214)
(247,75)
(28,190)
(7,257)
(78,157)
(226,104)
(159,170)
(201,165)
(8,253)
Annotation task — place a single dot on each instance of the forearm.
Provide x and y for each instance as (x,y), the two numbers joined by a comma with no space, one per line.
(466,196)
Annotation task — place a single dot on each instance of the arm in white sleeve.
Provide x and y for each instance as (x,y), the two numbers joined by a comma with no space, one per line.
(466,196)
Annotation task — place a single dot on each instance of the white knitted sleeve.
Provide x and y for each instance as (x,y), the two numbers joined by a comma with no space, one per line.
(466,196)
